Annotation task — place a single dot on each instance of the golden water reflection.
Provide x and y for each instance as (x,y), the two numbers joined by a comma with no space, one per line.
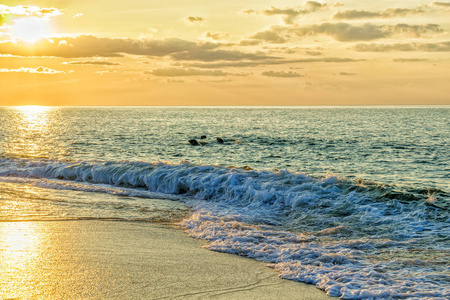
(34,116)
(31,131)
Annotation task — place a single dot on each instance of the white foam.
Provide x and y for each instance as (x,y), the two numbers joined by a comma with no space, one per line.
(339,268)
(310,229)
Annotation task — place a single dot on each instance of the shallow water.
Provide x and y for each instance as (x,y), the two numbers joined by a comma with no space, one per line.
(353,200)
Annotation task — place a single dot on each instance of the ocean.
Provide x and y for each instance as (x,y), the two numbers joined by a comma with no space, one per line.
(355,200)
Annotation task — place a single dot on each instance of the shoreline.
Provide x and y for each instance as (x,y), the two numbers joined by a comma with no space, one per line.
(98,259)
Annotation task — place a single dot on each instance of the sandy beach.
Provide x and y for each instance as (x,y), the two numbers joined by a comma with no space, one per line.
(124,260)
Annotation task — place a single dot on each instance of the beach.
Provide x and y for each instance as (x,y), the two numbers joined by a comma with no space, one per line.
(87,208)
(91,259)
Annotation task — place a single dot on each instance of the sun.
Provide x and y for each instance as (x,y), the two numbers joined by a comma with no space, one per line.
(30,30)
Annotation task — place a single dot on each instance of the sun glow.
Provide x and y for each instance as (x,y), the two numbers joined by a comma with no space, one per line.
(34,115)
(32,132)
(30,30)
(32,110)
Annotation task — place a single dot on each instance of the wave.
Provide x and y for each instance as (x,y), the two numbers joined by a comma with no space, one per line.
(286,195)
(282,189)
(351,239)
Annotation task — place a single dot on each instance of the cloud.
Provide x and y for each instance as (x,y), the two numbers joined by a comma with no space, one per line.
(445,4)
(313,53)
(271,36)
(387,13)
(346,74)
(38,70)
(175,81)
(217,36)
(91,46)
(425,47)
(194,20)
(314,5)
(91,62)
(29,11)
(177,72)
(230,55)
(250,42)
(239,64)
(289,14)
(409,59)
(216,81)
(345,32)
(283,74)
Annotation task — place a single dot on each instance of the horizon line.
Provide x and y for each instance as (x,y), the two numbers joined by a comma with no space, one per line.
(239,106)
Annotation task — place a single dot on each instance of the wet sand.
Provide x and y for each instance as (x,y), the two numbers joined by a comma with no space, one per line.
(122,260)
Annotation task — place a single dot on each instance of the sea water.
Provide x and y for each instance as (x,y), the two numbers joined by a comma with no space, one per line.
(354,200)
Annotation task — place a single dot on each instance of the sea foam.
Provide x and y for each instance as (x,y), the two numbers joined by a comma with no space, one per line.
(313,230)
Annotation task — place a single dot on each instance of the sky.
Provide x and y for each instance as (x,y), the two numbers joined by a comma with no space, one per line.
(246,52)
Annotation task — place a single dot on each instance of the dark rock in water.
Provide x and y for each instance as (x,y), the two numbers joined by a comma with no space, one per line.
(203,137)
(219,140)
(194,142)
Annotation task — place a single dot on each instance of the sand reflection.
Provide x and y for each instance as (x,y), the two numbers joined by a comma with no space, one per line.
(21,258)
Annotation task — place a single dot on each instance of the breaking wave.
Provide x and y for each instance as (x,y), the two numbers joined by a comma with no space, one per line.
(352,239)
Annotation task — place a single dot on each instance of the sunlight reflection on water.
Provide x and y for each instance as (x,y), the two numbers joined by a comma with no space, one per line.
(31,131)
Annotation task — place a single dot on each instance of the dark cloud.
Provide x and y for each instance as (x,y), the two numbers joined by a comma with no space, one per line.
(194,19)
(314,5)
(216,81)
(346,74)
(92,62)
(411,30)
(409,59)
(217,36)
(270,62)
(355,14)
(178,72)
(445,4)
(271,36)
(388,13)
(283,74)
(90,46)
(425,47)
(208,55)
(314,53)
(289,14)
(345,32)
(250,42)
